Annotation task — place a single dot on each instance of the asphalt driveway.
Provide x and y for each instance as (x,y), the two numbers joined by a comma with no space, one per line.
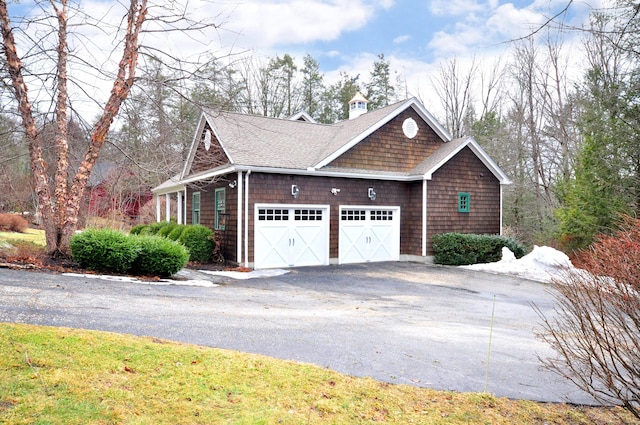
(397,322)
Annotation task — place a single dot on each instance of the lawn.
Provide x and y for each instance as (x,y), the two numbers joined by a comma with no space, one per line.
(66,376)
(30,235)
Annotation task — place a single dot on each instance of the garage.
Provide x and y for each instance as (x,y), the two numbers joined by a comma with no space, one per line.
(291,235)
(369,234)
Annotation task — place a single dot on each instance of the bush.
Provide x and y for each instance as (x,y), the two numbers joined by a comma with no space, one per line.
(198,240)
(595,328)
(154,228)
(104,250)
(136,230)
(456,249)
(166,229)
(13,223)
(175,234)
(159,256)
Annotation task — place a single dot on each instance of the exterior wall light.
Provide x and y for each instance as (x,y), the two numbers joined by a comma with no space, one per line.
(233,184)
(372,194)
(295,191)
(335,191)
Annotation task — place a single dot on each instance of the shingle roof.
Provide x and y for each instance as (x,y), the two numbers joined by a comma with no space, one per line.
(251,140)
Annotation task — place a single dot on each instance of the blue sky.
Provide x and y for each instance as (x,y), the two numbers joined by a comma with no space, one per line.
(348,35)
(414,35)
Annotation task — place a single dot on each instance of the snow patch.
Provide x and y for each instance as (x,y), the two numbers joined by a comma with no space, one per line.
(543,263)
(247,275)
(190,282)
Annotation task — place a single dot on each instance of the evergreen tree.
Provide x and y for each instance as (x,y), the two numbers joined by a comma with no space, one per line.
(380,89)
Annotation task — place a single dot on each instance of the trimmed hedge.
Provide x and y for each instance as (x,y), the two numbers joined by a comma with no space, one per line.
(104,250)
(198,240)
(111,251)
(159,256)
(457,249)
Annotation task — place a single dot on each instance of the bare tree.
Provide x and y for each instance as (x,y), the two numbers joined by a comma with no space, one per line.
(595,330)
(59,203)
(455,90)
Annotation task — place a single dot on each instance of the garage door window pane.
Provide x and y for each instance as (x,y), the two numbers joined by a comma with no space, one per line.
(353,215)
(381,215)
(273,214)
(307,215)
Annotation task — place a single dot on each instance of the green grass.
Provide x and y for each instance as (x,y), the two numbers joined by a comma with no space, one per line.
(30,235)
(66,376)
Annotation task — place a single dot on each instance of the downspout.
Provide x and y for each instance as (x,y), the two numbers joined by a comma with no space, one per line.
(501,193)
(239,232)
(424,217)
(246,220)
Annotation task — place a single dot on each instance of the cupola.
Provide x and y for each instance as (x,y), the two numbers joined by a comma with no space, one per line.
(357,106)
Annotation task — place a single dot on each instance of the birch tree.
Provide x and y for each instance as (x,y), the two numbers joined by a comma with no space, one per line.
(59,202)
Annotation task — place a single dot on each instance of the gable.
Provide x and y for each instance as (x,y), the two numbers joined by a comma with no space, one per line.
(389,149)
(208,152)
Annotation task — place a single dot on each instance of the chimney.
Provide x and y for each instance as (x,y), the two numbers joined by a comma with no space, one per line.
(357,106)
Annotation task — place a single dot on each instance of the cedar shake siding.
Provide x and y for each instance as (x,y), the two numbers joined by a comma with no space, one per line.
(463,173)
(276,189)
(267,156)
(389,149)
(207,214)
(206,159)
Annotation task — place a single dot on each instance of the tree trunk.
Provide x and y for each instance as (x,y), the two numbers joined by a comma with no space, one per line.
(60,222)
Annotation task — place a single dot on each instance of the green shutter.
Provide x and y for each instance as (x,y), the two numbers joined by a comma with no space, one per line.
(464,202)
(195,210)
(221,203)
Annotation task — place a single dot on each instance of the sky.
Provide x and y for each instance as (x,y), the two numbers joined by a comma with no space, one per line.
(415,36)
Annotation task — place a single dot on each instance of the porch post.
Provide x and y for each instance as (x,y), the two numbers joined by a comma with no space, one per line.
(239,226)
(179,211)
(168,207)
(158,218)
(424,217)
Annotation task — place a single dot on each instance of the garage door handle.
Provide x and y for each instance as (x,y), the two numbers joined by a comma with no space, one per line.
(292,242)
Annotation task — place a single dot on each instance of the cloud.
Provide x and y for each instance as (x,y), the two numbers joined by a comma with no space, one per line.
(456,7)
(265,24)
(401,39)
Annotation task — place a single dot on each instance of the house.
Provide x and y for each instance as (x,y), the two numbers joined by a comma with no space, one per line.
(115,189)
(376,187)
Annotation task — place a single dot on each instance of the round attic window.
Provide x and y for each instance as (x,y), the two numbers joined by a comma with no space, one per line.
(207,140)
(410,128)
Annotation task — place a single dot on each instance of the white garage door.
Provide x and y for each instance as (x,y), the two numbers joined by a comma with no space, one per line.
(369,234)
(291,236)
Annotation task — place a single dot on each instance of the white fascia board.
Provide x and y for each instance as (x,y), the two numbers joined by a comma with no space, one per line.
(204,119)
(328,173)
(168,189)
(363,135)
(431,120)
(194,144)
(420,109)
(480,153)
(218,138)
(209,174)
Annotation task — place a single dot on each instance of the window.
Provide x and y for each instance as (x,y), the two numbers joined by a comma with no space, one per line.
(195,210)
(463,202)
(220,208)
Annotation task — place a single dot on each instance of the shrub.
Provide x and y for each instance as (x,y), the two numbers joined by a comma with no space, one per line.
(154,228)
(455,249)
(198,240)
(13,223)
(159,256)
(595,328)
(166,229)
(175,234)
(104,250)
(136,230)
